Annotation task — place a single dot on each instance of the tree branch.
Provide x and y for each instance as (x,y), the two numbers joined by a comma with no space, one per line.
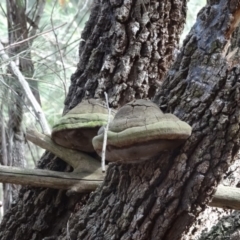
(51,179)
(78,160)
(37,108)
(226,197)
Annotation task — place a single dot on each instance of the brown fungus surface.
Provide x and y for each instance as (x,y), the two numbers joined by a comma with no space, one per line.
(77,128)
(140,131)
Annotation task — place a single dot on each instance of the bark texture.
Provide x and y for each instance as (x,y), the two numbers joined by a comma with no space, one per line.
(217,223)
(228,227)
(126,48)
(214,220)
(161,198)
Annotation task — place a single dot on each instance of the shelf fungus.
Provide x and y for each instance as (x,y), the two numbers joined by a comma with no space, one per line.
(140,131)
(76,129)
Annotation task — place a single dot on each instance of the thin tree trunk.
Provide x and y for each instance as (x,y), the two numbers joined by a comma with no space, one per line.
(15,111)
(18,30)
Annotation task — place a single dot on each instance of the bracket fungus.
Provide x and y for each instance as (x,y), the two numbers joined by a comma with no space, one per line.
(140,131)
(76,129)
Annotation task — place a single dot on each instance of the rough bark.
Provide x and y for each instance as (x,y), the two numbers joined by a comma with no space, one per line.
(126,50)
(174,188)
(216,223)
(120,55)
(228,227)
(202,89)
(214,100)
(212,217)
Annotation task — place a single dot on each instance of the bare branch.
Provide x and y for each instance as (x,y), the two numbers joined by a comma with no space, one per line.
(37,108)
(59,51)
(27,39)
(39,10)
(226,197)
(105,134)
(3,142)
(78,160)
(49,179)
(79,10)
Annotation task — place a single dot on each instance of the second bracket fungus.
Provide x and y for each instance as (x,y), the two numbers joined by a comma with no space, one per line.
(140,131)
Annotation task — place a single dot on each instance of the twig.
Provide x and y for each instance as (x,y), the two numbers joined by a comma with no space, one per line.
(4,13)
(31,151)
(36,17)
(83,16)
(29,78)
(105,135)
(27,39)
(69,26)
(68,232)
(62,48)
(59,51)
(37,108)
(13,91)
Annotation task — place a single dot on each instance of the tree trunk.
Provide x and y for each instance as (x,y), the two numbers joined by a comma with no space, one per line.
(218,223)
(214,223)
(18,30)
(110,48)
(201,89)
(126,49)
(122,53)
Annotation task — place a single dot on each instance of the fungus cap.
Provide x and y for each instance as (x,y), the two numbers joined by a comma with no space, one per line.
(76,129)
(140,131)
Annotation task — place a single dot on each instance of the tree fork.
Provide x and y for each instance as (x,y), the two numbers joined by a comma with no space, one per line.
(201,89)
(127,64)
